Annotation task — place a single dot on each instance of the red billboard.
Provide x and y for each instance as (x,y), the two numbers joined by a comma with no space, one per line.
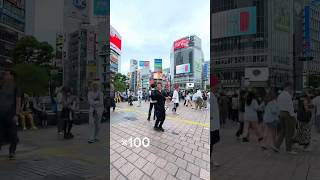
(115,40)
(181,43)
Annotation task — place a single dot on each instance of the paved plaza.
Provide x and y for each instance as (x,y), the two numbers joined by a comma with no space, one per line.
(43,154)
(246,161)
(181,152)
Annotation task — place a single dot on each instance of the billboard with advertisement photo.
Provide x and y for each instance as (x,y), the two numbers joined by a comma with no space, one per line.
(157,65)
(183,68)
(235,22)
(77,9)
(133,65)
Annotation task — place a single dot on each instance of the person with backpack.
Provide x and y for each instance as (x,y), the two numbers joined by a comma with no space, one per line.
(303,132)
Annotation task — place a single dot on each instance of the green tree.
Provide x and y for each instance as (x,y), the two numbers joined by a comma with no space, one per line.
(29,50)
(120,82)
(32,78)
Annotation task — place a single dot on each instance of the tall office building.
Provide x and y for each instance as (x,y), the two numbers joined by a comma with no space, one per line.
(12,26)
(252,40)
(186,62)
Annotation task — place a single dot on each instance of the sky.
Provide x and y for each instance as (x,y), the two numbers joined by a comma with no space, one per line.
(148,28)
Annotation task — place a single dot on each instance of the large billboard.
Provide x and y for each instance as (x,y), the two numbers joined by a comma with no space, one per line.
(145,67)
(157,65)
(183,68)
(115,40)
(236,22)
(133,65)
(282,15)
(101,7)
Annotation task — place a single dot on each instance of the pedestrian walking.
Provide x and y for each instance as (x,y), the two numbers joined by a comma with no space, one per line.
(112,99)
(251,118)
(242,104)
(303,133)
(214,119)
(235,107)
(188,99)
(26,113)
(175,99)
(59,120)
(270,120)
(139,97)
(95,99)
(223,107)
(205,99)
(160,96)
(287,119)
(66,114)
(152,103)
(10,98)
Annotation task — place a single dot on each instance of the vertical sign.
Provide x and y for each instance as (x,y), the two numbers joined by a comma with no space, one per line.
(307,38)
(157,65)
(91,43)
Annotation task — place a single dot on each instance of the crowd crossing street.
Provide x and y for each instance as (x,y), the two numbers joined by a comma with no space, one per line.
(180,152)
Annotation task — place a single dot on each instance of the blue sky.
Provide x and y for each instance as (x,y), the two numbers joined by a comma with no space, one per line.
(149,27)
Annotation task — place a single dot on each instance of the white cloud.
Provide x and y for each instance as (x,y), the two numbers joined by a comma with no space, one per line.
(148,28)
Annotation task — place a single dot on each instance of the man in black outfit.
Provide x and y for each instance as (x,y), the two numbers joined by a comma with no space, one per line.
(159,96)
(152,102)
(10,98)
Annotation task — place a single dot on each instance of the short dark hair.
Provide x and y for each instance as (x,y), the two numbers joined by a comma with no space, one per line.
(159,83)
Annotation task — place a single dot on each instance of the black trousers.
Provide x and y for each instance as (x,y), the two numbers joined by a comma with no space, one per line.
(150,110)
(67,121)
(214,138)
(8,132)
(240,130)
(161,116)
(235,115)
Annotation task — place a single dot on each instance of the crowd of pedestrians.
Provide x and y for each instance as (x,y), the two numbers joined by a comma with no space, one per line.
(268,118)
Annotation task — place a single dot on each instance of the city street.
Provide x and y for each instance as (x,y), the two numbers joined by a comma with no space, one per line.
(246,161)
(180,152)
(43,154)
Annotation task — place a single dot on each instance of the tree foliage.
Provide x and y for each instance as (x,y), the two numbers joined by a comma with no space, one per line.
(120,82)
(29,50)
(32,79)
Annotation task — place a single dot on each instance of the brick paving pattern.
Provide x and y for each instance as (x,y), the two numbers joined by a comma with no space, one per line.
(181,152)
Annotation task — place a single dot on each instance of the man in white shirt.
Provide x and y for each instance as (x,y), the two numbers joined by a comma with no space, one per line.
(175,99)
(316,103)
(287,118)
(95,100)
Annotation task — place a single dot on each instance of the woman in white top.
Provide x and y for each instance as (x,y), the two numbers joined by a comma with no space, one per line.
(251,117)
(270,120)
